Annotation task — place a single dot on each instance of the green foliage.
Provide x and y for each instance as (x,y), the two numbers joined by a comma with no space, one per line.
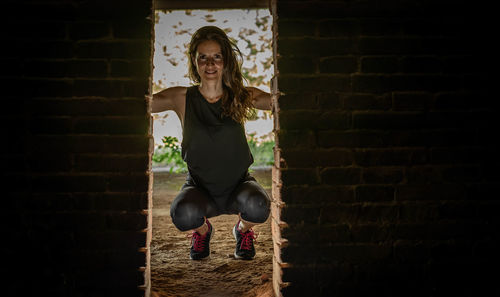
(262,152)
(169,154)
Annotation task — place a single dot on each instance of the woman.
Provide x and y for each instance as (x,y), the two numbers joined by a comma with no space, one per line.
(214,145)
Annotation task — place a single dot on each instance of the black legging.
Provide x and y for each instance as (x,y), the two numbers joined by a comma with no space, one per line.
(193,203)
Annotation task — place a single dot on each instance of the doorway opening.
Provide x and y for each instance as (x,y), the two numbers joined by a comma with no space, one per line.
(172,272)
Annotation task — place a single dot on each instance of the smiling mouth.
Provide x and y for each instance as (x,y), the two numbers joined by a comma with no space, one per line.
(211,72)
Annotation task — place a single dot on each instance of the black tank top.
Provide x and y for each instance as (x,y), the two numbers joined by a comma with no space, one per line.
(215,149)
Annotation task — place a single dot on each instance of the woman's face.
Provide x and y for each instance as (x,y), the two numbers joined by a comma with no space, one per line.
(209,61)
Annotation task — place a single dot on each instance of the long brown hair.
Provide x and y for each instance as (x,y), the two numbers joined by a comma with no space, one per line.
(236,101)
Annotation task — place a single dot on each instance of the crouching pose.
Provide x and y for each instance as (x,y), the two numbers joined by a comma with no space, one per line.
(214,145)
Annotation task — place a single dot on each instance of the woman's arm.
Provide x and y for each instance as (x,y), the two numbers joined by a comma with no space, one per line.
(165,100)
(260,99)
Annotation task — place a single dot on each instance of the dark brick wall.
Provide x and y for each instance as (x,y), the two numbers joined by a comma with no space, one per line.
(386,147)
(75,157)
(386,156)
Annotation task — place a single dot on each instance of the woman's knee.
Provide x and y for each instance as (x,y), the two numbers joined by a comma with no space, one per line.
(187,213)
(255,206)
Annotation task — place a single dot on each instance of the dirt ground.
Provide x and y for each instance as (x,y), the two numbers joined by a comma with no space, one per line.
(174,274)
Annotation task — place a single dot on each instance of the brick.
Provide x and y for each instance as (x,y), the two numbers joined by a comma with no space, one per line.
(128,222)
(374,193)
(339,213)
(420,82)
(88,68)
(56,49)
(425,174)
(129,107)
(110,201)
(109,125)
(430,192)
(318,83)
(334,120)
(323,275)
(301,119)
(434,26)
(419,138)
(428,45)
(299,176)
(329,100)
(312,158)
(463,100)
(109,281)
(379,64)
(103,163)
(296,138)
(43,87)
(296,28)
(462,64)
(314,47)
(89,30)
(376,212)
(393,121)
(359,253)
(317,234)
(113,49)
(137,28)
(135,183)
(67,69)
(50,11)
(50,125)
(75,221)
(341,175)
(456,155)
(50,162)
(298,101)
(438,83)
(69,183)
(300,215)
(41,30)
(428,231)
(378,26)
(338,65)
(419,212)
(363,83)
(462,173)
(296,65)
(339,27)
(131,69)
(411,100)
(104,259)
(371,232)
(459,119)
(317,195)
(366,102)
(109,239)
(40,68)
(426,64)
(328,139)
(385,157)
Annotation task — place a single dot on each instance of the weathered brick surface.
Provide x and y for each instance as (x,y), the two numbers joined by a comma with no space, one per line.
(385,138)
(78,144)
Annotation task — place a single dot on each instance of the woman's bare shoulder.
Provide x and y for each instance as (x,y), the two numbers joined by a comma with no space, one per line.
(171,98)
(174,92)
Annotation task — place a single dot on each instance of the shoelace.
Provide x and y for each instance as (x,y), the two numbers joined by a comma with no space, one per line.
(247,240)
(199,242)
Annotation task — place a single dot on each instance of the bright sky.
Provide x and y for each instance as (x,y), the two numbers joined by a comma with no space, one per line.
(173,30)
